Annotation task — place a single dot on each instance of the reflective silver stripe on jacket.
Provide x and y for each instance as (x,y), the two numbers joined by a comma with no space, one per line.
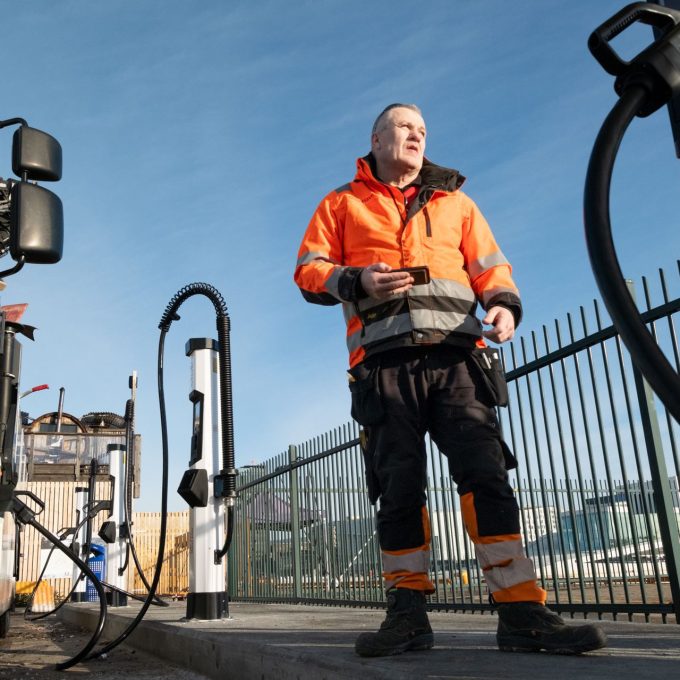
(402,324)
(444,288)
(490,294)
(416,562)
(412,317)
(519,569)
(311,256)
(333,281)
(485,263)
(436,288)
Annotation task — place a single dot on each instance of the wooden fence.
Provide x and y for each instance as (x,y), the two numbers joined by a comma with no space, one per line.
(59,514)
(146,534)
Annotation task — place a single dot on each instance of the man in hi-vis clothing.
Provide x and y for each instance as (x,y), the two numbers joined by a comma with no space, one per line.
(412,337)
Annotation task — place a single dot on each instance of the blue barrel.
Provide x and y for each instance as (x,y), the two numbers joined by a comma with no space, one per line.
(97,562)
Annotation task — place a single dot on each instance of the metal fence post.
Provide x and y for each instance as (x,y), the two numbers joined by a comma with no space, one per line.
(663,502)
(296,554)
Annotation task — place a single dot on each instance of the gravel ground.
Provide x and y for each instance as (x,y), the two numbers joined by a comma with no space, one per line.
(32,649)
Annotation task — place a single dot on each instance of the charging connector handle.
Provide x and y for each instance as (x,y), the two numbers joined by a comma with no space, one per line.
(657,68)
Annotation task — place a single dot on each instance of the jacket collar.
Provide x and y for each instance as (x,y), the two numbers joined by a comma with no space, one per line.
(432,176)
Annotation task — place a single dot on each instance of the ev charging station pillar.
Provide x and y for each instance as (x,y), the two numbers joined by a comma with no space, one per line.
(116,548)
(81,502)
(207,598)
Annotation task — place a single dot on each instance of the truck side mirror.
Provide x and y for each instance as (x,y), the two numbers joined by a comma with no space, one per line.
(35,155)
(37,224)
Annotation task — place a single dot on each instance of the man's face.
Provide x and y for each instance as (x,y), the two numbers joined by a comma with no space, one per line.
(399,141)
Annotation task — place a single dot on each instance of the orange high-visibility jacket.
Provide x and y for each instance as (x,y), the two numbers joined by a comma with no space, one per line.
(366,221)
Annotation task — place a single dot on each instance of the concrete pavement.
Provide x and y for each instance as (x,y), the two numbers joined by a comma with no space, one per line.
(298,642)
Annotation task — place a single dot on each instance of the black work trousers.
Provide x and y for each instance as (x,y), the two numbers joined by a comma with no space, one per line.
(398,396)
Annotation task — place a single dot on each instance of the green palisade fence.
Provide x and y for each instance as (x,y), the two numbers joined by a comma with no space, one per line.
(597,486)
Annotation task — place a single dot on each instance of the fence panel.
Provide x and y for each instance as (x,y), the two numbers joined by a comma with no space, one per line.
(591,521)
(175,570)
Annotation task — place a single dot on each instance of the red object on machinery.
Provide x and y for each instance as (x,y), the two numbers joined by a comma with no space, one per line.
(14,312)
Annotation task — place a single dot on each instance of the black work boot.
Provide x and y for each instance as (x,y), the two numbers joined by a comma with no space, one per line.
(405,627)
(531,627)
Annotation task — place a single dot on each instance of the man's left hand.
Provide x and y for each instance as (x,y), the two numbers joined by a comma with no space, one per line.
(503,322)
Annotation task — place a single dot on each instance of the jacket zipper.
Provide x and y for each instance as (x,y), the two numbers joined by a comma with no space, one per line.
(402,217)
(428,224)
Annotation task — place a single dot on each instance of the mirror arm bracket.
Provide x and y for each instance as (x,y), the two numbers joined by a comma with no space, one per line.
(17,267)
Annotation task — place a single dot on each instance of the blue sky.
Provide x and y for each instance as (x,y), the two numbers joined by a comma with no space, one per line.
(199,137)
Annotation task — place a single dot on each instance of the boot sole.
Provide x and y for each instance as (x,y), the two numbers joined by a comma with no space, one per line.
(419,643)
(522,644)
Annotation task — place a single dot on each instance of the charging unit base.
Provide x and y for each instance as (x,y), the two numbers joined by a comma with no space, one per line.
(115,599)
(208,606)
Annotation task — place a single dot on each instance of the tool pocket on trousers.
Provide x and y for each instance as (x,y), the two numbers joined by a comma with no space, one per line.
(367,408)
(508,457)
(368,449)
(490,368)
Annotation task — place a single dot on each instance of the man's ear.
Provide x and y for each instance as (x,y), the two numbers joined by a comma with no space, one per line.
(375,141)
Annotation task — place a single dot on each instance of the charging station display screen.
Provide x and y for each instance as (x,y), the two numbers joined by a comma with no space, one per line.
(197,427)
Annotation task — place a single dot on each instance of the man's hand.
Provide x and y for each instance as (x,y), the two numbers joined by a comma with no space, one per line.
(379,283)
(503,322)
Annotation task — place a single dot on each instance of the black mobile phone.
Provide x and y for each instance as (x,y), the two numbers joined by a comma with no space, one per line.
(421,275)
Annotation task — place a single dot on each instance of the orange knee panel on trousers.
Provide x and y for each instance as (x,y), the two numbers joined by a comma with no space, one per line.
(509,573)
(409,568)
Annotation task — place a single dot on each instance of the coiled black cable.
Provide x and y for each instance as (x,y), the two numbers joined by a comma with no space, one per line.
(228,473)
(224,353)
(640,343)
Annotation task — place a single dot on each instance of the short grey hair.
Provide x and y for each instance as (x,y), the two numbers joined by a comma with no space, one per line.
(413,107)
